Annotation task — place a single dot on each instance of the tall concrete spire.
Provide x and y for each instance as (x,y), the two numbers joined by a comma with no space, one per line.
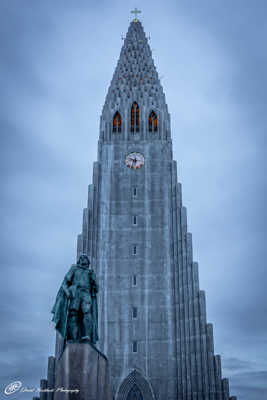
(136,80)
(152,314)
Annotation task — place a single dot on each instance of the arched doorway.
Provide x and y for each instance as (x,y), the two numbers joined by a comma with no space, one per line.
(135,393)
(135,387)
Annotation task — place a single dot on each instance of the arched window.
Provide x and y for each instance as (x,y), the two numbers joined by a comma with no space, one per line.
(116,122)
(135,118)
(152,122)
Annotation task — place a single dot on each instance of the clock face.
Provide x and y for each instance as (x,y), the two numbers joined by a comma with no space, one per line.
(135,160)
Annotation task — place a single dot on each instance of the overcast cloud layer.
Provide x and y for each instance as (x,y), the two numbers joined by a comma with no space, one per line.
(57,60)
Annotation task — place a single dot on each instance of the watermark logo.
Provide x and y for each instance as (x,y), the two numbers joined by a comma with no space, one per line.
(12,387)
(16,387)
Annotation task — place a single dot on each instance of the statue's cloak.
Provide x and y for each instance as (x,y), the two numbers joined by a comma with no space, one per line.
(60,308)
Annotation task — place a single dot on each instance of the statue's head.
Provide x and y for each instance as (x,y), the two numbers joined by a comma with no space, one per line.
(84,260)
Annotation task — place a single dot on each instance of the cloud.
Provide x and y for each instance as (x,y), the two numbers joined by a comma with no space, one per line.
(250,385)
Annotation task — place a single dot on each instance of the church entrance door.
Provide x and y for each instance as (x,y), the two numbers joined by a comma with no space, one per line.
(135,394)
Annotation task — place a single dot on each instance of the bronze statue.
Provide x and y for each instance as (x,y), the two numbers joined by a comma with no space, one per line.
(75,308)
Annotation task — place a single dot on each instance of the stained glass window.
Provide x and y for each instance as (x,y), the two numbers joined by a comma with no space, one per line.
(153,122)
(117,122)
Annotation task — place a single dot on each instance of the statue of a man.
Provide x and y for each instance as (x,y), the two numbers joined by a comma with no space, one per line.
(75,308)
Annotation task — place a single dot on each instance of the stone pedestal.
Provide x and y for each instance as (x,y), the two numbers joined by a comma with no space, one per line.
(84,372)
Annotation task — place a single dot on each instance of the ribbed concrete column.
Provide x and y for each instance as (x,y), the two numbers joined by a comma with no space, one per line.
(43,387)
(218,376)
(203,322)
(211,372)
(51,377)
(225,389)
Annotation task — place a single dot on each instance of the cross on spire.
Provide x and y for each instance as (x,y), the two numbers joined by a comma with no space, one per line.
(135,12)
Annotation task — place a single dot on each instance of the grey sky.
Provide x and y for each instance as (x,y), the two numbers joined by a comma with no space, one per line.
(57,60)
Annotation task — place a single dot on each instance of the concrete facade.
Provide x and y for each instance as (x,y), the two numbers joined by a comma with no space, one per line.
(152,325)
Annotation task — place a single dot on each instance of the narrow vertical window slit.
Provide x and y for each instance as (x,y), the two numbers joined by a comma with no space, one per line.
(134,346)
(134,312)
(135,118)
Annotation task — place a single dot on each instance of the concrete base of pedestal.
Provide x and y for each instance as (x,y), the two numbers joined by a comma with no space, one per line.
(82,373)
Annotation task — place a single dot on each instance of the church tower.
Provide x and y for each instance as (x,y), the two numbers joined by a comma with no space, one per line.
(152,314)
